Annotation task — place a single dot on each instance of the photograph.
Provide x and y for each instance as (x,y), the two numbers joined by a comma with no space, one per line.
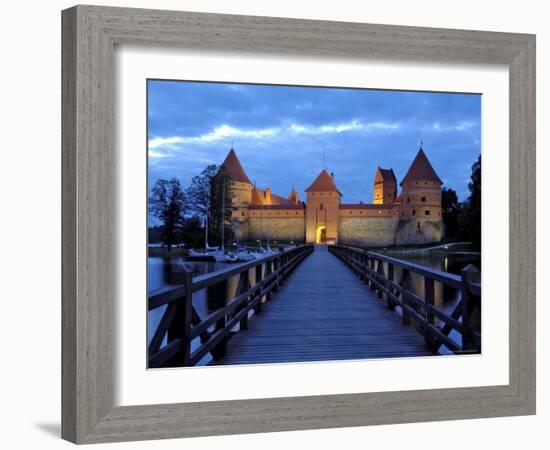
(292,224)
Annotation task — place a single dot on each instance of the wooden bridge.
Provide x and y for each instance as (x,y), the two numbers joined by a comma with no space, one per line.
(314,304)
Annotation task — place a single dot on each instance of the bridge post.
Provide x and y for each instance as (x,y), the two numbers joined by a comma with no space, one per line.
(469,274)
(406,318)
(216,296)
(180,327)
(391,304)
(268,271)
(285,259)
(429,298)
(276,267)
(258,307)
(364,260)
(242,287)
(380,271)
(372,271)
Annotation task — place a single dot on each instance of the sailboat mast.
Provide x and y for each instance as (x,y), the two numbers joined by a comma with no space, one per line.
(206,232)
(223,215)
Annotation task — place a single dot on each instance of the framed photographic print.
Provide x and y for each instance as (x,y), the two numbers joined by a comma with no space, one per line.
(277,224)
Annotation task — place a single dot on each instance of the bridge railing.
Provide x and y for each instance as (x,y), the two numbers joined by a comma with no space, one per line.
(180,323)
(391,278)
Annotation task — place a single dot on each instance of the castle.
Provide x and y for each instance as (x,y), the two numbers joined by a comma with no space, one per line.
(412,217)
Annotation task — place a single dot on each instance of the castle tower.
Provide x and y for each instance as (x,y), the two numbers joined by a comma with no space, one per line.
(293,196)
(385,187)
(323,201)
(421,191)
(240,191)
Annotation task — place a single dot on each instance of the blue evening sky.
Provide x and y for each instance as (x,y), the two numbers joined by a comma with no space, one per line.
(279,133)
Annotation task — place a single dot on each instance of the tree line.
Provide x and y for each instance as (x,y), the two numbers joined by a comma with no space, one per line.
(462,220)
(194,215)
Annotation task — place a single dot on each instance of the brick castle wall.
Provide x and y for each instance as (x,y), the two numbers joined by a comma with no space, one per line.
(367,231)
(418,232)
(277,228)
(363,231)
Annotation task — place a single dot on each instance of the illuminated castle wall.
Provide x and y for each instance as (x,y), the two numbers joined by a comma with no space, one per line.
(412,217)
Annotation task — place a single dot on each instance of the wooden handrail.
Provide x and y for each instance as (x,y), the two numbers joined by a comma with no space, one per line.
(369,266)
(180,323)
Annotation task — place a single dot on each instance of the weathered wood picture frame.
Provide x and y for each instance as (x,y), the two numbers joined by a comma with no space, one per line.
(90,34)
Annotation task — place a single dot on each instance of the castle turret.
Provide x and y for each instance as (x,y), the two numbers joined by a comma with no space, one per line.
(293,196)
(240,185)
(323,201)
(421,190)
(240,191)
(385,187)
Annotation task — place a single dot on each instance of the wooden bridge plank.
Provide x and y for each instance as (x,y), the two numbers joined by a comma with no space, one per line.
(323,312)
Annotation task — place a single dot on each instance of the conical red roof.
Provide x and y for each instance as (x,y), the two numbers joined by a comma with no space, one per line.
(384,175)
(234,169)
(323,182)
(421,169)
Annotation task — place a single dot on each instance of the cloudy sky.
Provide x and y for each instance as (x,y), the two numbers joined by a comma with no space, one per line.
(280,133)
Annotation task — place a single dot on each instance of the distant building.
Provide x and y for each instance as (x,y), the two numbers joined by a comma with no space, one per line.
(412,217)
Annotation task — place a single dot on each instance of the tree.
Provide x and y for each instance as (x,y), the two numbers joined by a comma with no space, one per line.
(192,231)
(470,220)
(167,203)
(199,195)
(451,212)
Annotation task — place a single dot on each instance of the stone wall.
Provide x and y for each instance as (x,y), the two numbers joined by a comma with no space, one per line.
(281,229)
(418,232)
(368,231)
(241,228)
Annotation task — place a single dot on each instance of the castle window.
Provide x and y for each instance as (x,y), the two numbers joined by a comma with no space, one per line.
(242,213)
(321,206)
(427,212)
(425,182)
(360,212)
(423,199)
(408,199)
(414,212)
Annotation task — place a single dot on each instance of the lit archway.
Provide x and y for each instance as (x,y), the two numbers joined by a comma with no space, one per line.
(321,235)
